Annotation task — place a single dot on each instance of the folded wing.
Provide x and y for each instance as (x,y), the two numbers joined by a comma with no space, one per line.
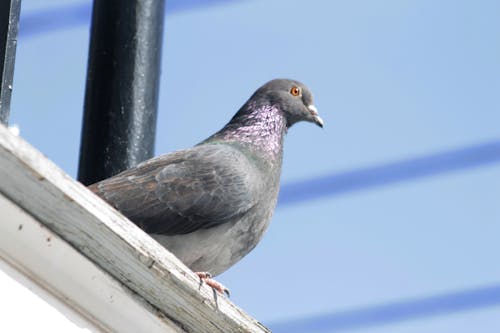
(185,191)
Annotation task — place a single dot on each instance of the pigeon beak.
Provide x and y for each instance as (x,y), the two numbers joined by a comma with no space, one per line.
(315,116)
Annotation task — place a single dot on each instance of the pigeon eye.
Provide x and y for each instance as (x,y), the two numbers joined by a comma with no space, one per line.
(295,91)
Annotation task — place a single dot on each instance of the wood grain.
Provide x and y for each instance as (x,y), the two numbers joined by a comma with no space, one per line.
(112,242)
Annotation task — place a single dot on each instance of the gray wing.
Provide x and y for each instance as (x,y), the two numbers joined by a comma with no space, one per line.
(184,191)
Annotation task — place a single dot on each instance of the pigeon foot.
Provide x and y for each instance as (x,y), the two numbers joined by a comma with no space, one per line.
(207,278)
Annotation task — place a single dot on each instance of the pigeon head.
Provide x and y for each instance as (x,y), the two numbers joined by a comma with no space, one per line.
(293,98)
(263,120)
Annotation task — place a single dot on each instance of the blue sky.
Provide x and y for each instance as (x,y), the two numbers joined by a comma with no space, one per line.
(393,80)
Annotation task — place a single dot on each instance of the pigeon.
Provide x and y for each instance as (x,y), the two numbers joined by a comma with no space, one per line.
(211,204)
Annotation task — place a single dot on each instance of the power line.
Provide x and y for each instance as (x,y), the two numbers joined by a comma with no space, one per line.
(329,185)
(46,20)
(444,304)
(387,174)
(65,17)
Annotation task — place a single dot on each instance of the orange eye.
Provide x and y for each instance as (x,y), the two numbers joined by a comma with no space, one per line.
(295,91)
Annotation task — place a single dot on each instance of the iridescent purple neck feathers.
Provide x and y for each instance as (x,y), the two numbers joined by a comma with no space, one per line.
(261,127)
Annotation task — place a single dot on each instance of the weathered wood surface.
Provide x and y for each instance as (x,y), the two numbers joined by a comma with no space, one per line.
(60,275)
(112,242)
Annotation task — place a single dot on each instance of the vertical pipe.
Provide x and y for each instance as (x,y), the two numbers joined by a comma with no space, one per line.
(121,96)
(9,26)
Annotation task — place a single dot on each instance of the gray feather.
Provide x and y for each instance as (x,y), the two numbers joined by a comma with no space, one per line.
(211,204)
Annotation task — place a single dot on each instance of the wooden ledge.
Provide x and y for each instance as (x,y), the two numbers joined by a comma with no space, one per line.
(132,264)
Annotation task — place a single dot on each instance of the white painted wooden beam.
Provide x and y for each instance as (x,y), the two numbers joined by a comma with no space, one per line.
(67,280)
(150,282)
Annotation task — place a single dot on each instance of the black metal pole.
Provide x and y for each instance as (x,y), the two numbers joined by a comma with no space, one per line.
(121,95)
(9,25)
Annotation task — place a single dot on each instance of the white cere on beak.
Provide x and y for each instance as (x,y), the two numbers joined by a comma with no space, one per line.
(314,112)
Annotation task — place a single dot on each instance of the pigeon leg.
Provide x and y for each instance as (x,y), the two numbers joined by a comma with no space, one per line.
(207,278)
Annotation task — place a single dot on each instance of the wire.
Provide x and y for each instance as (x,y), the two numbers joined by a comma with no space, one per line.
(64,17)
(444,304)
(328,185)
(387,174)
(44,21)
